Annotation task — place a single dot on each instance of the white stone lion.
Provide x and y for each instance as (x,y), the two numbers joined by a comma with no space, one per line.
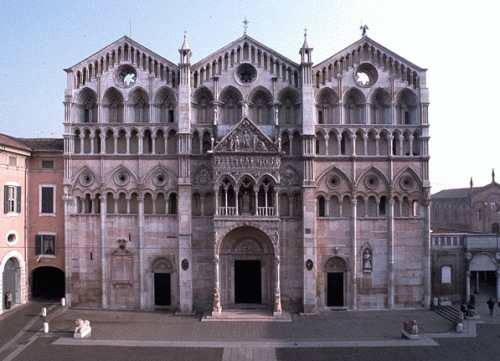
(82,325)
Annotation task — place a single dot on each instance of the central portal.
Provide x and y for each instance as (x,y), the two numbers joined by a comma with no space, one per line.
(247,281)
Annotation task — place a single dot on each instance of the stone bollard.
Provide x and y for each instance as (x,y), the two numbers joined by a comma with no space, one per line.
(44,312)
(45,327)
(63,302)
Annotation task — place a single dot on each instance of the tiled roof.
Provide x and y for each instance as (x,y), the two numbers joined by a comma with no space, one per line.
(9,141)
(453,193)
(44,144)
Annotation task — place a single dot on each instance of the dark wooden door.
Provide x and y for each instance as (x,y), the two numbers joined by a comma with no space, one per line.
(247,282)
(162,289)
(335,289)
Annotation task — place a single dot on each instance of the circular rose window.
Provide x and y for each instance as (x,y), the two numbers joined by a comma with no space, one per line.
(366,75)
(407,183)
(86,179)
(371,182)
(126,76)
(160,179)
(333,181)
(121,178)
(246,74)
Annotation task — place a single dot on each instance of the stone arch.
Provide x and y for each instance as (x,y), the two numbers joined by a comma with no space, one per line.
(246,253)
(20,278)
(483,262)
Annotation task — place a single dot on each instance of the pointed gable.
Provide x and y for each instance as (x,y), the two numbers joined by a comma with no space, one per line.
(239,45)
(368,50)
(124,49)
(246,137)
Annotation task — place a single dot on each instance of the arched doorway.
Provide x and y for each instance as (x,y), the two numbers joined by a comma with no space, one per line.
(47,282)
(163,282)
(482,276)
(11,281)
(247,271)
(335,276)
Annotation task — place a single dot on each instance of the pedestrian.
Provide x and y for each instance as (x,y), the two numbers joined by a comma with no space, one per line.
(491,305)
(463,309)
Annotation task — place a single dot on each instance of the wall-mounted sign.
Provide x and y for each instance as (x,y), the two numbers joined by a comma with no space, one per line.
(185,264)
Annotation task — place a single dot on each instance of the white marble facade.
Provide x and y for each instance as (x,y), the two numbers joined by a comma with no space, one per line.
(247,178)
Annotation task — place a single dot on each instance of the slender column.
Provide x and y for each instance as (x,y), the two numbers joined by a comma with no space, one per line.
(256,196)
(353,144)
(498,285)
(115,143)
(390,255)
(140,140)
(354,238)
(104,259)
(91,138)
(410,139)
(476,290)
(217,308)
(339,144)
(127,142)
(365,143)
(140,201)
(327,138)
(103,143)
(377,143)
(277,292)
(467,286)
(427,251)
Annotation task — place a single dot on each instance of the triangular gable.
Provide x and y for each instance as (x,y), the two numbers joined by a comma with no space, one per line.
(120,43)
(246,137)
(239,44)
(361,43)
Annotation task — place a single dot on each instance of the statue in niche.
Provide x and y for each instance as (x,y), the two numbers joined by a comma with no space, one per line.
(203,105)
(367,261)
(246,140)
(245,109)
(288,111)
(246,202)
(230,105)
(236,145)
(277,301)
(276,115)
(217,305)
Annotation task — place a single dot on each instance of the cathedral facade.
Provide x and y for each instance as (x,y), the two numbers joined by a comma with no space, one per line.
(246,178)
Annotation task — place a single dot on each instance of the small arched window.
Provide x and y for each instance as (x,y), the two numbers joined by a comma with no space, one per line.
(495,228)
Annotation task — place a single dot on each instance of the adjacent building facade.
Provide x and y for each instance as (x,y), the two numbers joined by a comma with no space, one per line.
(466,241)
(246,178)
(32,221)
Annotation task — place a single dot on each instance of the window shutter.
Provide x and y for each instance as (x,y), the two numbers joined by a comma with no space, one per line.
(18,200)
(47,200)
(5,199)
(38,244)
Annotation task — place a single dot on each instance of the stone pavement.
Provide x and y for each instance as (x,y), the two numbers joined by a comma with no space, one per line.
(242,340)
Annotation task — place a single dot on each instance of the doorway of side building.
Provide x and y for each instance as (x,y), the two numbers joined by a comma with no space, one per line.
(247,281)
(11,277)
(335,289)
(47,282)
(162,289)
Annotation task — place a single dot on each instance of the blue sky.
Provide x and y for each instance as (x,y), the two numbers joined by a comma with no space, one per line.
(453,39)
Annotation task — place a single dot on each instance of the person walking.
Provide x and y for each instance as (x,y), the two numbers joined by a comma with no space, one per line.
(491,305)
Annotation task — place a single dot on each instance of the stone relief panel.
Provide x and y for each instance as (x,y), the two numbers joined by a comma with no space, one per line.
(246,137)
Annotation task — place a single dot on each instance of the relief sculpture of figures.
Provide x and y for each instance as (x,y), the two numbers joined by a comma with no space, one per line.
(217,305)
(246,140)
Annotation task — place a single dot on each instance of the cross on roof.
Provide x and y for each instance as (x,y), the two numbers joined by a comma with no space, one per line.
(245,25)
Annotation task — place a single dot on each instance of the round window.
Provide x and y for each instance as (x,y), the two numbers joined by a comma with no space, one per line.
(12,238)
(160,179)
(371,182)
(125,76)
(86,179)
(246,74)
(334,181)
(366,75)
(121,178)
(407,183)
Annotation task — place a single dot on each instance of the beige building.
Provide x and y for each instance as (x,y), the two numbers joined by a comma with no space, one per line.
(247,178)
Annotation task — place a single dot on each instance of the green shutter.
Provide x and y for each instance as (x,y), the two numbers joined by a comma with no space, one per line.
(18,200)
(5,199)
(38,244)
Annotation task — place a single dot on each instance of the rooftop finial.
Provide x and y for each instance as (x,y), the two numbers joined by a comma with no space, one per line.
(185,44)
(471,183)
(493,175)
(363,28)
(245,25)
(305,45)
